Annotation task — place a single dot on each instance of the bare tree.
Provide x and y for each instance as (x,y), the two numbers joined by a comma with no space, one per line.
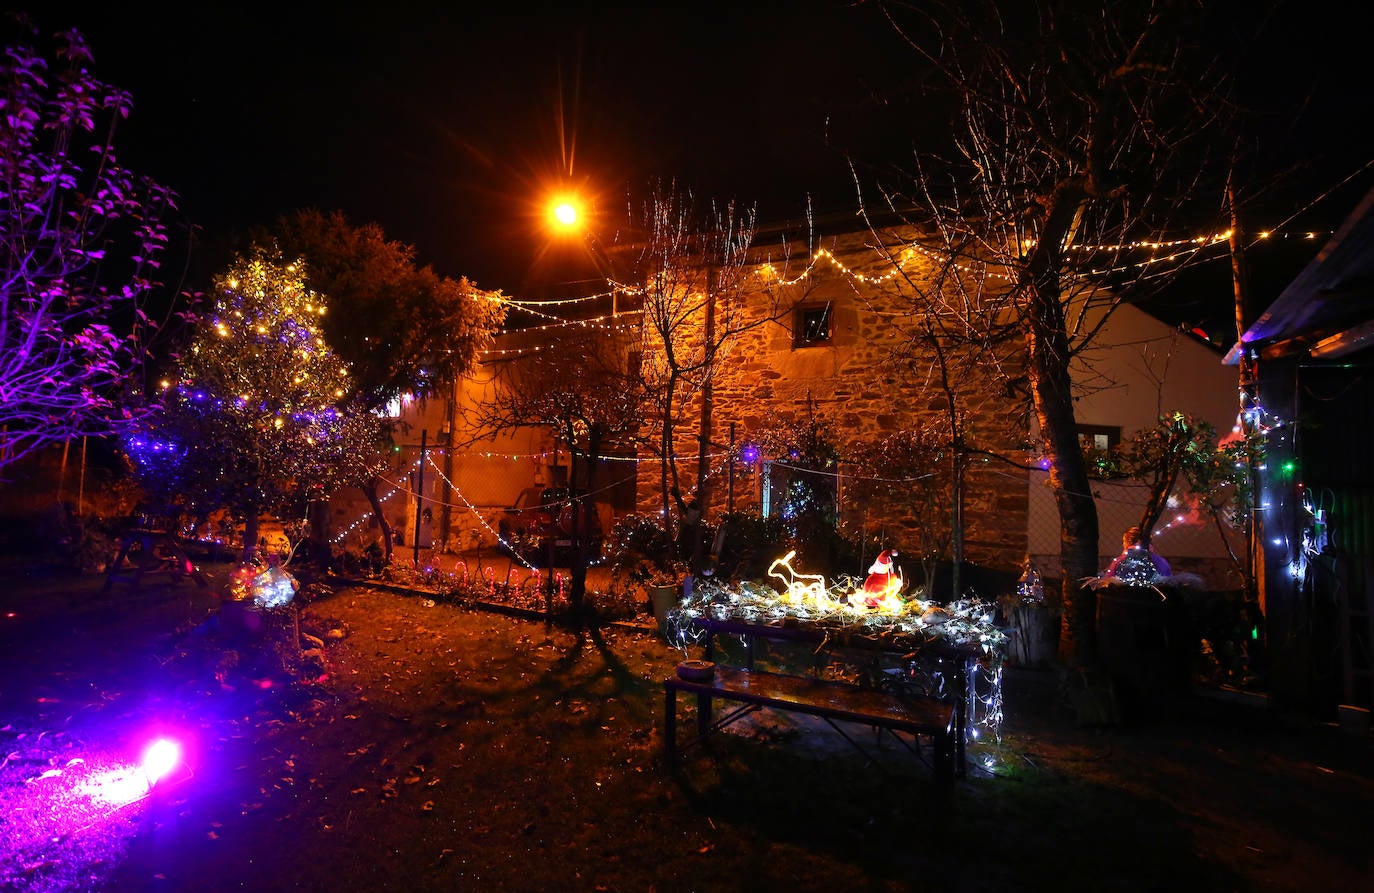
(1082,134)
(694,285)
(587,392)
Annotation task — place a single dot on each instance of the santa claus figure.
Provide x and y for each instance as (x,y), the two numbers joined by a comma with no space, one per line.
(883,580)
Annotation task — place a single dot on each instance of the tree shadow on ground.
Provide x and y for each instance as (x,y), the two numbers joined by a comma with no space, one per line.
(1021,829)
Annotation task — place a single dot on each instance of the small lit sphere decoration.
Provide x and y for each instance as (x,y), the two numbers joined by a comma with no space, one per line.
(1030,589)
(1136,568)
(240,585)
(273,588)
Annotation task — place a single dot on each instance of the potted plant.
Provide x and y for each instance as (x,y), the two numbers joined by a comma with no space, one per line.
(642,555)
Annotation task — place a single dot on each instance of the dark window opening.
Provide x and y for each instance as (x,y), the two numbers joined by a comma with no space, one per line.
(1099,437)
(811,325)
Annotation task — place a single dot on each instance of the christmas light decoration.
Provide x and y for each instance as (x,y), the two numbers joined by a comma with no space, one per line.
(965,622)
(1030,589)
(259,409)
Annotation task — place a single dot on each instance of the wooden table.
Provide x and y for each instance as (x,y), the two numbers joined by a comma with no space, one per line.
(933,669)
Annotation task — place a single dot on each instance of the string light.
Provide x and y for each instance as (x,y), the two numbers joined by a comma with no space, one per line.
(367,516)
(477,514)
(900,262)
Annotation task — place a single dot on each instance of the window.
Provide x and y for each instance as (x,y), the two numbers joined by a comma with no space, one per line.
(1099,443)
(1098,437)
(811,325)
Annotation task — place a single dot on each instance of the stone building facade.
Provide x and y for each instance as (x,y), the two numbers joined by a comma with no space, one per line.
(838,337)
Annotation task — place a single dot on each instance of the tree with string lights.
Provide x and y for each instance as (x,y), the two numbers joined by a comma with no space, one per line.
(588,393)
(261,414)
(693,285)
(402,328)
(82,239)
(1082,138)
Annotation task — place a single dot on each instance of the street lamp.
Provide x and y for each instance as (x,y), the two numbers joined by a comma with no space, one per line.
(565,213)
(569,217)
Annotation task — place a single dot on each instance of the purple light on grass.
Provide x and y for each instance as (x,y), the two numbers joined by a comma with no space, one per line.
(160,758)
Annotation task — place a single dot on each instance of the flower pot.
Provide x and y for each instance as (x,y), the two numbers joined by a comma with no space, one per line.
(663,599)
(696,670)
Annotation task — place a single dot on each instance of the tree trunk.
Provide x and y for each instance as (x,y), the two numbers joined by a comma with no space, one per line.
(446,506)
(577,588)
(702,496)
(317,511)
(1077,513)
(369,489)
(666,447)
(250,534)
(1047,343)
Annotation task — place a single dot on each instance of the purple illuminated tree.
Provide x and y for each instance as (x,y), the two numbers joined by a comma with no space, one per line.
(261,414)
(82,239)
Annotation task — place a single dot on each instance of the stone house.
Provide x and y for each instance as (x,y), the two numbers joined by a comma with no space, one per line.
(832,336)
(835,337)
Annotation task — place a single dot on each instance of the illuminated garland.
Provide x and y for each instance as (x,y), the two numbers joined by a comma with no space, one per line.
(964,622)
(368,515)
(901,261)
(478,515)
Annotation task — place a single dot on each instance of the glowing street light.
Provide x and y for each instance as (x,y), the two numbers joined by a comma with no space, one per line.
(565,213)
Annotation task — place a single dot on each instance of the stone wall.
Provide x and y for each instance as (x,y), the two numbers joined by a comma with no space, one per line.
(872,378)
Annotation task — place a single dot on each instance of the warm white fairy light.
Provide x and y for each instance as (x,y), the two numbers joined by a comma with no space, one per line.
(367,516)
(597,322)
(453,488)
(526,305)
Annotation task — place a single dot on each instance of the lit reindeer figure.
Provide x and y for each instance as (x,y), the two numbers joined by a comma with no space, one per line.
(800,587)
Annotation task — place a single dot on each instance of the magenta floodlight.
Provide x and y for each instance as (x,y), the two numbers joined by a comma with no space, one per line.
(160,759)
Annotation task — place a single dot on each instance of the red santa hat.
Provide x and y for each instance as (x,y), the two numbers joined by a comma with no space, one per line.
(883,565)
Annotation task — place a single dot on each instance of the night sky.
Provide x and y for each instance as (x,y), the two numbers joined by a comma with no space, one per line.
(447,126)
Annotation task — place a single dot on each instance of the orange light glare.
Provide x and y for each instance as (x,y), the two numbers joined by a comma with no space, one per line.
(565,213)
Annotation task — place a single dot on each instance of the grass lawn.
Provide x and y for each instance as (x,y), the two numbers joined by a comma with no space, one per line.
(430,746)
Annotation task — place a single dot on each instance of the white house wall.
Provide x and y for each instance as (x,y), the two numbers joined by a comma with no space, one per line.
(1138,369)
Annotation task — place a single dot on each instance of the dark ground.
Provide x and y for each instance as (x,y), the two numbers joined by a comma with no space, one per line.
(442,747)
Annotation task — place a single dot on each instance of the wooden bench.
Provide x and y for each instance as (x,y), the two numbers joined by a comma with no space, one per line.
(831,701)
(143,552)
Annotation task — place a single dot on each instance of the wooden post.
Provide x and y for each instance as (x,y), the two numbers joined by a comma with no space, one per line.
(419,496)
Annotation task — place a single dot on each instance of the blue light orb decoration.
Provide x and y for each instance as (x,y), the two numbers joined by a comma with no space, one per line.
(1136,568)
